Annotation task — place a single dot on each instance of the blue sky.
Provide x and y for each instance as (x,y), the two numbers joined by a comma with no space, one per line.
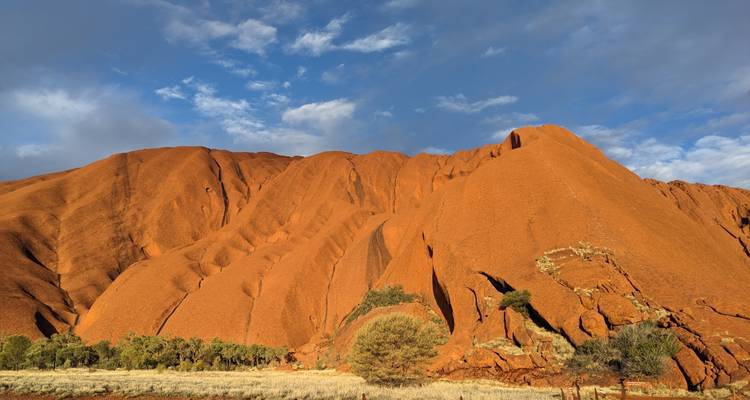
(663,87)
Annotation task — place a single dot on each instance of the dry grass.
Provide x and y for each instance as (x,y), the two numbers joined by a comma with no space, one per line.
(266,384)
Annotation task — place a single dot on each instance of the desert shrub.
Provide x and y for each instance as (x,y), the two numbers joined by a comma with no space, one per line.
(394,349)
(643,349)
(635,350)
(185,366)
(12,351)
(387,296)
(517,300)
(593,356)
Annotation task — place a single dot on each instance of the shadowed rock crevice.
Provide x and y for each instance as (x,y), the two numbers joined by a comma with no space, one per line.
(44,325)
(224,196)
(499,284)
(443,301)
(515,140)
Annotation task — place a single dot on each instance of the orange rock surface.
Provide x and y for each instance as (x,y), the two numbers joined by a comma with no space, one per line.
(255,247)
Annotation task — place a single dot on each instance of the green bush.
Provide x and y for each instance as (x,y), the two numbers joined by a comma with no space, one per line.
(41,354)
(12,351)
(394,349)
(387,296)
(635,350)
(517,300)
(594,355)
(643,349)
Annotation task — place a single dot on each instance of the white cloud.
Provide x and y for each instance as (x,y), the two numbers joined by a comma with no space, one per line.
(286,84)
(254,36)
(710,159)
(434,150)
(325,116)
(235,67)
(318,42)
(726,121)
(460,103)
(170,92)
(392,36)
(383,114)
(334,75)
(235,116)
(493,51)
(275,99)
(400,4)
(261,86)
(198,32)
(33,150)
(282,11)
(514,118)
(301,71)
(55,104)
(250,35)
(74,126)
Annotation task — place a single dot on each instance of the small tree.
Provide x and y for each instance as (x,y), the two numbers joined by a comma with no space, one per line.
(106,355)
(393,350)
(13,350)
(42,354)
(517,300)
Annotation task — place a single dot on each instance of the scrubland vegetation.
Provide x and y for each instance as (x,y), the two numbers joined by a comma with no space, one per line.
(66,350)
(387,296)
(635,351)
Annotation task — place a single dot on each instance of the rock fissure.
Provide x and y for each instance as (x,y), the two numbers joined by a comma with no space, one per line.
(224,196)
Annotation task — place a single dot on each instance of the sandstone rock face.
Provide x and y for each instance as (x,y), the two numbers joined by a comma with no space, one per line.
(279,250)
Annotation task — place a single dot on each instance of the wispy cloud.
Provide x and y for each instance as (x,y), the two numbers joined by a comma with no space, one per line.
(55,104)
(317,42)
(282,11)
(383,114)
(235,67)
(505,123)
(400,4)
(170,92)
(261,86)
(493,51)
(333,75)
(459,103)
(434,150)
(250,35)
(392,36)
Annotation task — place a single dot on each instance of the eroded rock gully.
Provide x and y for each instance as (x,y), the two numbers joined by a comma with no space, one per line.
(255,247)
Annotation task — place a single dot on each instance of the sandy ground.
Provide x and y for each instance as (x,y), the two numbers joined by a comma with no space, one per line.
(265,384)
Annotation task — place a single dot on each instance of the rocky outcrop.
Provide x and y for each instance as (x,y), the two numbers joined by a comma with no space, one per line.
(279,250)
